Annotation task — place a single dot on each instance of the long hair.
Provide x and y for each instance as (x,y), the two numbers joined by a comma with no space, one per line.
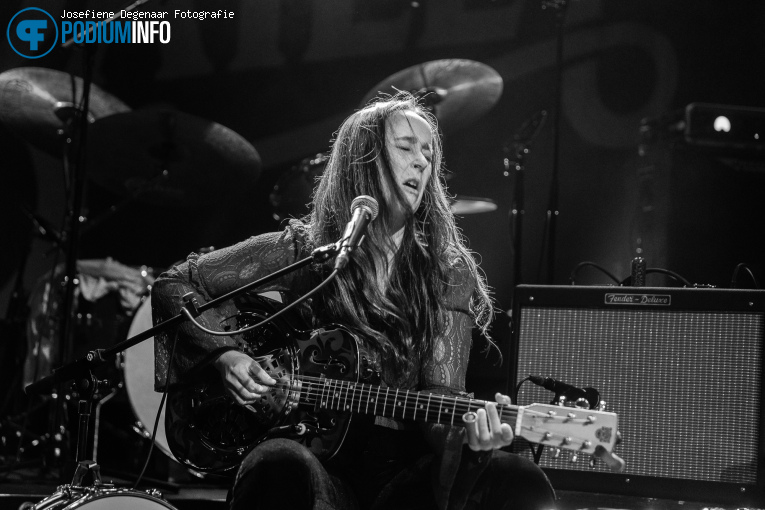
(432,254)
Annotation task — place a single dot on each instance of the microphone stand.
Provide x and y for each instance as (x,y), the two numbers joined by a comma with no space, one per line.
(552,208)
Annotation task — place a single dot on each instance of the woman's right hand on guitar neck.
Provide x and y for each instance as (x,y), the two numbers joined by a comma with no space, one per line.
(244,379)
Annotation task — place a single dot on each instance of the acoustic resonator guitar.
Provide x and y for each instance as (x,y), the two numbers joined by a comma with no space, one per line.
(322,380)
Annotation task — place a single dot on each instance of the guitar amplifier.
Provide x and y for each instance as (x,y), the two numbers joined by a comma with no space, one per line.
(682,368)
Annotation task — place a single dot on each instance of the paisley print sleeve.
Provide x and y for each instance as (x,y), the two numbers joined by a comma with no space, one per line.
(207,277)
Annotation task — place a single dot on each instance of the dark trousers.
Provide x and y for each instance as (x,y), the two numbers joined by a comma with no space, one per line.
(281,473)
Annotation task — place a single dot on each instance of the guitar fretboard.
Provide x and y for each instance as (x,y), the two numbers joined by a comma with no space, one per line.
(337,395)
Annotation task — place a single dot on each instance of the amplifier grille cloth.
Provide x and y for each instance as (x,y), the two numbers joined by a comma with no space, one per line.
(686,385)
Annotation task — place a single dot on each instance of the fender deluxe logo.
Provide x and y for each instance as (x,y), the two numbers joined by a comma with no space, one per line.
(638,299)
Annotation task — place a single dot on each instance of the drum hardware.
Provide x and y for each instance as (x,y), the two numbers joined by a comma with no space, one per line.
(551,220)
(87,484)
(456,91)
(516,151)
(52,110)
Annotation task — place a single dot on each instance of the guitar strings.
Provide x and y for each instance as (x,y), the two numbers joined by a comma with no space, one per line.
(311,389)
(316,388)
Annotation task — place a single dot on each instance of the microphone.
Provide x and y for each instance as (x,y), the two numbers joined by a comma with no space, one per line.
(364,209)
(569,391)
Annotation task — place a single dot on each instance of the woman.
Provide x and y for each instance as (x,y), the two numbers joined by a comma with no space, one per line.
(411,294)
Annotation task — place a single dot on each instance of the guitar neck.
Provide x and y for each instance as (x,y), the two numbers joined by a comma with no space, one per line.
(345,396)
(580,430)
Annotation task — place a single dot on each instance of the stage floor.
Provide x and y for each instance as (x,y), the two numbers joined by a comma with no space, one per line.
(200,496)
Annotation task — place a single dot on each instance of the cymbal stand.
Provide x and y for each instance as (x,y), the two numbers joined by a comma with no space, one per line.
(76,170)
(74,163)
(551,219)
(519,148)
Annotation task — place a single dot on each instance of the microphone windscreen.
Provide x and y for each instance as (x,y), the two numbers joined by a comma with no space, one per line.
(366,201)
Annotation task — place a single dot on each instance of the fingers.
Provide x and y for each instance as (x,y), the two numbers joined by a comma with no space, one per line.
(245,380)
(506,435)
(487,432)
(256,371)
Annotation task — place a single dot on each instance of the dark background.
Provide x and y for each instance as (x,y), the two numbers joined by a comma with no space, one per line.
(283,74)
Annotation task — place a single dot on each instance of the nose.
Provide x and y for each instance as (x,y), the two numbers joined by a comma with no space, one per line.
(420,162)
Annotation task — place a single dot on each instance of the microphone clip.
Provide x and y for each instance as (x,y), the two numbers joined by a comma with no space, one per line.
(326,252)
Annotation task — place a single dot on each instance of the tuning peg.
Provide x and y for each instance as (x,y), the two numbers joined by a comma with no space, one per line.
(555,453)
(574,457)
(602,405)
(593,461)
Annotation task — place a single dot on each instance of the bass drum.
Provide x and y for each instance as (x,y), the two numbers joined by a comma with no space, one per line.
(102,498)
(138,373)
(106,295)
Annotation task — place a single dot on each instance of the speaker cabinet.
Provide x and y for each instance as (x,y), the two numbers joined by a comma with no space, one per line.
(682,368)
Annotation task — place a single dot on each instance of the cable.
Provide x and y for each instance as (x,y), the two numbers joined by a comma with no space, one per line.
(159,412)
(734,278)
(579,266)
(284,310)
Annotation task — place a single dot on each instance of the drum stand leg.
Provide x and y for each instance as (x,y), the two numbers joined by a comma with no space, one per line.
(89,391)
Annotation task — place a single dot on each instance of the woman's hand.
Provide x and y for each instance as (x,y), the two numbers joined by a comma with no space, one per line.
(243,377)
(486,431)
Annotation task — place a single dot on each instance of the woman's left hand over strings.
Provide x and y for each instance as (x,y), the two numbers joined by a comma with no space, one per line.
(485,431)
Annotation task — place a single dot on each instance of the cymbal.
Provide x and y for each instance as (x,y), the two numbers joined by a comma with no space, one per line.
(169,158)
(462,205)
(38,104)
(458,91)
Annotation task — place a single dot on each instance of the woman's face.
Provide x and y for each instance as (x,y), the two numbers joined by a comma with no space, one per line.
(409,144)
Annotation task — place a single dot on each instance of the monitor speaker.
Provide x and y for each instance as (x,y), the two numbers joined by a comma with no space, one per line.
(682,368)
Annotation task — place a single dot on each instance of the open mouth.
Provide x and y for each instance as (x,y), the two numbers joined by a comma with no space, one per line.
(412,184)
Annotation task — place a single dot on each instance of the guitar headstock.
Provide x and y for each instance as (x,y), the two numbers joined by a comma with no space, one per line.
(570,428)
